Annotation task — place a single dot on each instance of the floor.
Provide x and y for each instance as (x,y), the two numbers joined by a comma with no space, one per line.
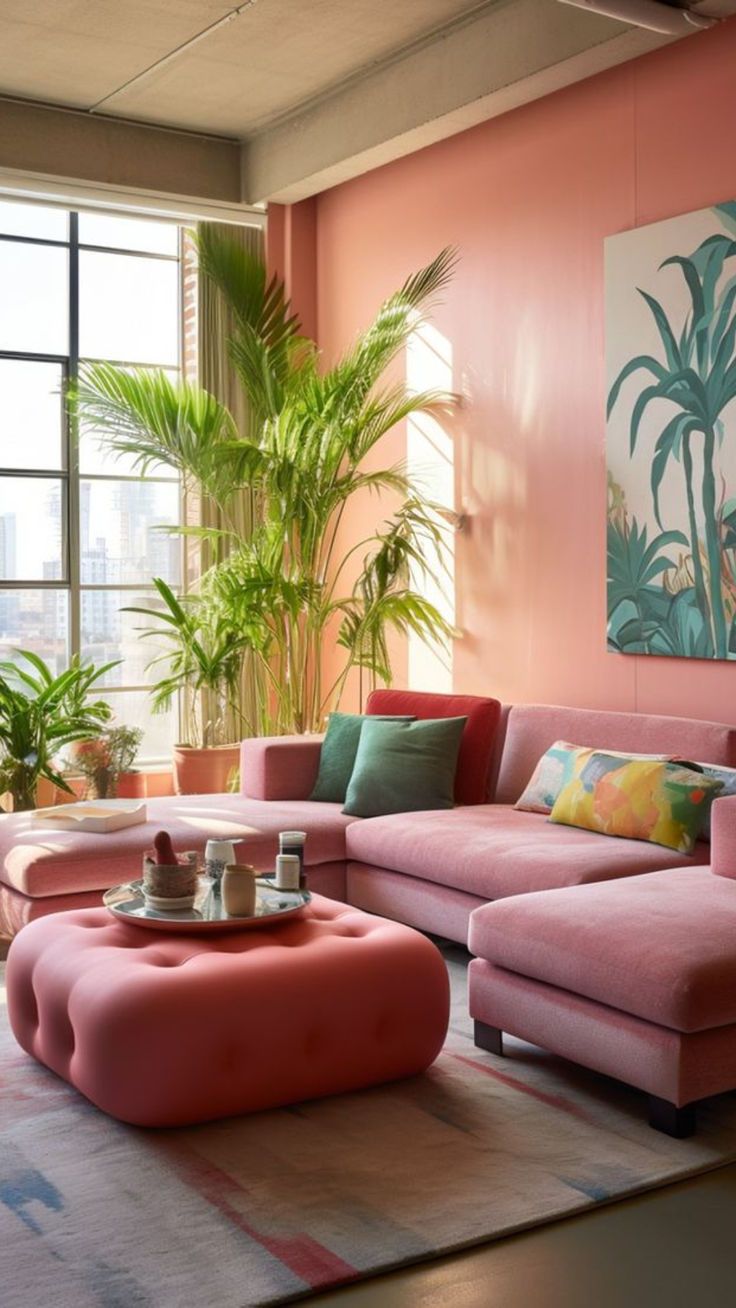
(671,1248)
(674,1247)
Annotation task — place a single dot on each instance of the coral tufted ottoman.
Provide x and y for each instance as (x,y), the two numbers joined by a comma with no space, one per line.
(165,1030)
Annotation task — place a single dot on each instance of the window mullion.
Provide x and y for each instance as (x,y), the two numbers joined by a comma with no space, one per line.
(72,447)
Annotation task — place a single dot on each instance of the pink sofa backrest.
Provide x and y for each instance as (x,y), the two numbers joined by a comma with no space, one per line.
(532,728)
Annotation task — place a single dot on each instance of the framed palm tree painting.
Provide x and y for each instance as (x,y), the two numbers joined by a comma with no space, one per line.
(671,436)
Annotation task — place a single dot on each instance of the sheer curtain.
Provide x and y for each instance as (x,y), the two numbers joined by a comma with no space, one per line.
(216,374)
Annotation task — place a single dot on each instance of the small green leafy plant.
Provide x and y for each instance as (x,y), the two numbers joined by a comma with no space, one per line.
(203,651)
(103,760)
(40,714)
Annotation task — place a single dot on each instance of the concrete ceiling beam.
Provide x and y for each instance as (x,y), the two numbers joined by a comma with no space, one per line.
(52,151)
(502,55)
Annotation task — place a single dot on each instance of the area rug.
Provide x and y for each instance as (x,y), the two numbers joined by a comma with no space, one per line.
(268,1208)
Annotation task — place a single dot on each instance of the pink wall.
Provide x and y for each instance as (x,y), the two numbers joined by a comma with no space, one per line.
(527,199)
(291,253)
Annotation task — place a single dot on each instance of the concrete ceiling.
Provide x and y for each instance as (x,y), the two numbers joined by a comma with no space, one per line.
(262,65)
(312,91)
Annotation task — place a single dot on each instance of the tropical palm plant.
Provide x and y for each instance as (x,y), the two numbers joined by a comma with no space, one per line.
(39,715)
(283,589)
(697,375)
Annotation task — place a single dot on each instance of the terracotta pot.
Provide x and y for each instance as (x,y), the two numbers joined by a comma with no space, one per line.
(204,771)
(46,793)
(132,785)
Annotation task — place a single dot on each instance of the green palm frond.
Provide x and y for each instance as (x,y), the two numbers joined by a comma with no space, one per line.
(145,414)
(361,368)
(258,304)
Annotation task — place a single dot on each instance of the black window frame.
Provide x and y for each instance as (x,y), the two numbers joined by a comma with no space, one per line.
(69,474)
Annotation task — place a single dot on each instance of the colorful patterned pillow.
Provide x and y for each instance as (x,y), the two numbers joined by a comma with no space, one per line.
(555,769)
(728,777)
(642,799)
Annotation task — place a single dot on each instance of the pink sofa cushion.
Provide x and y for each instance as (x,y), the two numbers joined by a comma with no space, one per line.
(493,850)
(44,862)
(422,904)
(164,1030)
(476,745)
(675,1065)
(17,910)
(532,728)
(279,767)
(660,946)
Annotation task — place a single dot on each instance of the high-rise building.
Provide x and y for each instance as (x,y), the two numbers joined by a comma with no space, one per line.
(8,571)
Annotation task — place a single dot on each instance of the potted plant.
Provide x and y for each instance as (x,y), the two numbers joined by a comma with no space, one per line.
(282,586)
(41,714)
(202,661)
(106,760)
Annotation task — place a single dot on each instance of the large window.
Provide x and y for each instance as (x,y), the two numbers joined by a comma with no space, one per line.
(80,534)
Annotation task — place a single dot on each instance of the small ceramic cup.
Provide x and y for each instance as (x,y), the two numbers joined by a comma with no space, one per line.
(239,890)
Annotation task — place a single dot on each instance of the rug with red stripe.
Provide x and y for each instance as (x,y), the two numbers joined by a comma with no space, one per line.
(269,1208)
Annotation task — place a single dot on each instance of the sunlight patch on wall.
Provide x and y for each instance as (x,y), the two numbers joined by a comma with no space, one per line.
(431,463)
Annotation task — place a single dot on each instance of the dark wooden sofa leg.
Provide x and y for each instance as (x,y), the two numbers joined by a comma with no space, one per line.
(488,1037)
(674,1121)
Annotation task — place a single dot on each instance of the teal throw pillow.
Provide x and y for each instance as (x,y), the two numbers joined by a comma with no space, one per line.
(337,756)
(404,767)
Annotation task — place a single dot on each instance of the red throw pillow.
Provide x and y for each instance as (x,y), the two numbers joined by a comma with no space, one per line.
(476,746)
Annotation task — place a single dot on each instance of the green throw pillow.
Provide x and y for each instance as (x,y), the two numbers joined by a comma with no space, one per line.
(337,755)
(403,767)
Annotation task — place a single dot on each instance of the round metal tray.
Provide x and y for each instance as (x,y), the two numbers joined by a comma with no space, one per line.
(207,914)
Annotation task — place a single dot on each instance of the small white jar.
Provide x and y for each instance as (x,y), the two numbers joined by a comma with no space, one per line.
(288,871)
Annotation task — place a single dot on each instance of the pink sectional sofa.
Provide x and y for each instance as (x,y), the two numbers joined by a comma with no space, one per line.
(430,869)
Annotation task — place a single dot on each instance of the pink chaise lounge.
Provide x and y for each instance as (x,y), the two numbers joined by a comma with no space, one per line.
(635,979)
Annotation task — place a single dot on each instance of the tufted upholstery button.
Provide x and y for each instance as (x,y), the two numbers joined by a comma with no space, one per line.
(169,1030)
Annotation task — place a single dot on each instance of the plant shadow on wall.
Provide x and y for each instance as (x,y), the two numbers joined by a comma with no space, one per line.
(277,588)
(674,591)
